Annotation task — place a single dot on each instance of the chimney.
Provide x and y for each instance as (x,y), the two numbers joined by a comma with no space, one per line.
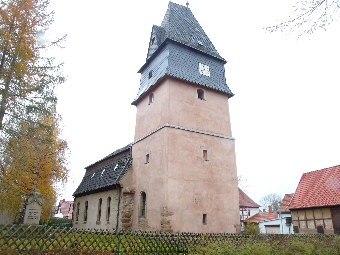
(270,209)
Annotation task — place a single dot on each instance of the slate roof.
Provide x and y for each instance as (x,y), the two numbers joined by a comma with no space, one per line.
(285,203)
(105,173)
(245,201)
(318,189)
(180,25)
(262,216)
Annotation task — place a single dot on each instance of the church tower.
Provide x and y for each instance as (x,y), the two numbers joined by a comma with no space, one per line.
(184,171)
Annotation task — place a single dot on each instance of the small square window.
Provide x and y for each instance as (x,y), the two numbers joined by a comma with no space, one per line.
(204,220)
(150,74)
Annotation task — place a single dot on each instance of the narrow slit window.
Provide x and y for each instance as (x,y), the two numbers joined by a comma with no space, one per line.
(205,154)
(77,212)
(150,74)
(200,94)
(108,211)
(147,158)
(142,209)
(86,209)
(99,214)
(151,98)
(204,220)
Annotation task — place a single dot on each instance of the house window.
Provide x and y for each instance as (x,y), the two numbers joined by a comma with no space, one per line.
(320,230)
(205,154)
(200,94)
(147,158)
(204,220)
(142,204)
(77,212)
(108,211)
(296,229)
(151,98)
(150,74)
(99,214)
(85,211)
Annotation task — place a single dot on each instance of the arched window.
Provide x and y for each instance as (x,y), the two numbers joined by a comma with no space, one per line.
(151,98)
(200,94)
(108,210)
(99,214)
(77,212)
(142,205)
(86,209)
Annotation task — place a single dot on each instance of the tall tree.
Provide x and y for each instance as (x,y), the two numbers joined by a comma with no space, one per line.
(27,76)
(308,16)
(273,200)
(32,156)
(36,158)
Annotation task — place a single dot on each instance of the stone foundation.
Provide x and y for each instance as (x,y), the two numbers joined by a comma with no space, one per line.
(127,210)
(166,220)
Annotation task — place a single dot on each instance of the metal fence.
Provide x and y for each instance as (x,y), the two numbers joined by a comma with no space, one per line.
(27,238)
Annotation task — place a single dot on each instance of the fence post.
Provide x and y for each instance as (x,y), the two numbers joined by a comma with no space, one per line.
(119,234)
(178,243)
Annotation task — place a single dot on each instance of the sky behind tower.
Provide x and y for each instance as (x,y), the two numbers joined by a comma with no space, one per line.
(285,112)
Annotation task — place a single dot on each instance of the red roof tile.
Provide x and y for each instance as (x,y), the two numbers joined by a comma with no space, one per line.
(285,203)
(245,201)
(261,216)
(318,188)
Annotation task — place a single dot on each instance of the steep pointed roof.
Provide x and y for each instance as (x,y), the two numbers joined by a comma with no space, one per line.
(318,188)
(180,25)
(246,201)
(285,203)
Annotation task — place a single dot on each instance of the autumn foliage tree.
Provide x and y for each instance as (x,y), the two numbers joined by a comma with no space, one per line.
(33,159)
(32,156)
(27,76)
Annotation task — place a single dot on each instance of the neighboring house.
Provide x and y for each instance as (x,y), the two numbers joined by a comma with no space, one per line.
(264,219)
(247,206)
(64,209)
(275,223)
(179,174)
(286,224)
(315,206)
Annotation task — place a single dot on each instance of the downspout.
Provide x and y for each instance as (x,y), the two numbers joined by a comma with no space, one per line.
(118,209)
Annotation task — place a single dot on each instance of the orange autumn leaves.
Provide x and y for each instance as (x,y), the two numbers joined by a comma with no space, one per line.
(33,156)
(34,159)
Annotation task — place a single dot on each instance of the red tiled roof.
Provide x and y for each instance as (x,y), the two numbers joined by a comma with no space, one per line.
(261,216)
(245,201)
(318,188)
(285,203)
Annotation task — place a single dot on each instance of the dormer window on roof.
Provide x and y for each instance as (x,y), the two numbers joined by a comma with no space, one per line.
(115,167)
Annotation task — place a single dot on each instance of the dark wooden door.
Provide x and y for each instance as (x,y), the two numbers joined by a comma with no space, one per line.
(336,219)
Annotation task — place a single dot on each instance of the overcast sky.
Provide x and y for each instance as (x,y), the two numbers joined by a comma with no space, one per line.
(285,112)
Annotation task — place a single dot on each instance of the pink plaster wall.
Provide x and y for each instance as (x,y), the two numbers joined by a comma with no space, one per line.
(177,179)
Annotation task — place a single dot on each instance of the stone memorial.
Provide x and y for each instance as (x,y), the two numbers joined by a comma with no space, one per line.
(33,208)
